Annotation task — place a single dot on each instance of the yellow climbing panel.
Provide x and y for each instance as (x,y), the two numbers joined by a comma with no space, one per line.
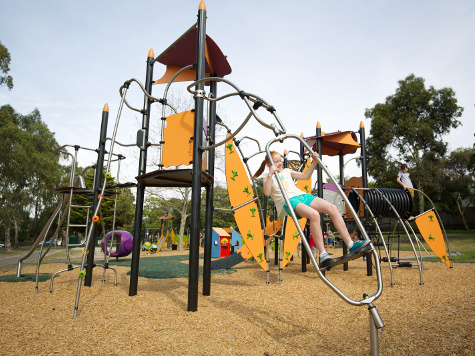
(292,239)
(247,216)
(305,185)
(273,227)
(178,133)
(429,227)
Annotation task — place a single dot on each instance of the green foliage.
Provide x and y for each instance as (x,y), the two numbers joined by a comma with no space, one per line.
(29,170)
(124,213)
(459,180)
(5,59)
(408,128)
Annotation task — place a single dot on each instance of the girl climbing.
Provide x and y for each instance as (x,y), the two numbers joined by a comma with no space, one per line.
(305,205)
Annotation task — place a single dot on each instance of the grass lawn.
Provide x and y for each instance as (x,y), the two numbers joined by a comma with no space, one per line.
(460,241)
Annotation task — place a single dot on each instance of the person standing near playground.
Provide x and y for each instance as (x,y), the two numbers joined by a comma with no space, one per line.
(403,177)
(312,245)
(305,205)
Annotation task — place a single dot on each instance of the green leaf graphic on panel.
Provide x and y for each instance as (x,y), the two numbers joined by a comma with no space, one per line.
(235,173)
(249,235)
(230,146)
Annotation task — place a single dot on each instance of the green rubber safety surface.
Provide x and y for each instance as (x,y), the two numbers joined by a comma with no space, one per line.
(163,267)
(156,267)
(28,277)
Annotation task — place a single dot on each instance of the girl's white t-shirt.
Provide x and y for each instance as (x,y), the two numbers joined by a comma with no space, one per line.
(289,186)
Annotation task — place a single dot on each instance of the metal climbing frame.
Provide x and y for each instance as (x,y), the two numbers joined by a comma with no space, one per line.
(374,318)
(386,210)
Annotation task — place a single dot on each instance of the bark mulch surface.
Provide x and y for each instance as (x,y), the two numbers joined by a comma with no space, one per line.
(242,316)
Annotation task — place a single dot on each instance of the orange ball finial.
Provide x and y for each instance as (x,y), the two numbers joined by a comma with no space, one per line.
(150,53)
(318,125)
(202,5)
(361,125)
(106,107)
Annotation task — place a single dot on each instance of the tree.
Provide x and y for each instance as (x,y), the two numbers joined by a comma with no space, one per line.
(5,59)
(408,128)
(29,170)
(220,200)
(124,211)
(460,180)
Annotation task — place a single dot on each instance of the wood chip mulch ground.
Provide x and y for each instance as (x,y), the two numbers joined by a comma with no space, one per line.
(242,316)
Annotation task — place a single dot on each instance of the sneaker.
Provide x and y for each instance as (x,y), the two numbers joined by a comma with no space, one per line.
(359,244)
(325,258)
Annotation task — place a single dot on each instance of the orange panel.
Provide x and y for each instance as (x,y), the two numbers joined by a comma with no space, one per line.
(245,253)
(305,185)
(429,228)
(247,217)
(355,182)
(178,146)
(272,227)
(292,239)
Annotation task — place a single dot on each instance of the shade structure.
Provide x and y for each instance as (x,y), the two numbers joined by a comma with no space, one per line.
(166,216)
(183,53)
(335,143)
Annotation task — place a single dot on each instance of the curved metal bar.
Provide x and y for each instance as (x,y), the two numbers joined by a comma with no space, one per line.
(126,84)
(418,259)
(247,97)
(172,79)
(252,139)
(367,299)
(228,137)
(355,190)
(41,256)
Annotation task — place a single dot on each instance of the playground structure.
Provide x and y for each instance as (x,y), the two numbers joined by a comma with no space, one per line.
(66,205)
(195,56)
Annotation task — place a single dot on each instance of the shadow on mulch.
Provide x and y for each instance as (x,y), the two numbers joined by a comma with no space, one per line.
(159,267)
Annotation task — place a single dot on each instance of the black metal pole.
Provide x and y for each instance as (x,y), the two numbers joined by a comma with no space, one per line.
(97,190)
(210,194)
(302,249)
(197,162)
(139,200)
(342,183)
(364,175)
(318,143)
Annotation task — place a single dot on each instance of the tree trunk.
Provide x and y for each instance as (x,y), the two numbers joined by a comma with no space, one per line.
(459,208)
(15,240)
(182,231)
(8,245)
(184,216)
(421,201)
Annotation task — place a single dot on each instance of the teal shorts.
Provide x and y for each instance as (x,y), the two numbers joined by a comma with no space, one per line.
(304,198)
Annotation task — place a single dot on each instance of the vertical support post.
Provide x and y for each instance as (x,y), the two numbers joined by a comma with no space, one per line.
(302,249)
(197,162)
(318,143)
(134,266)
(342,183)
(364,176)
(210,193)
(97,189)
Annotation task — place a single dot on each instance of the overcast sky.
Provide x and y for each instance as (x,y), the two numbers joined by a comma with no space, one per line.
(323,61)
